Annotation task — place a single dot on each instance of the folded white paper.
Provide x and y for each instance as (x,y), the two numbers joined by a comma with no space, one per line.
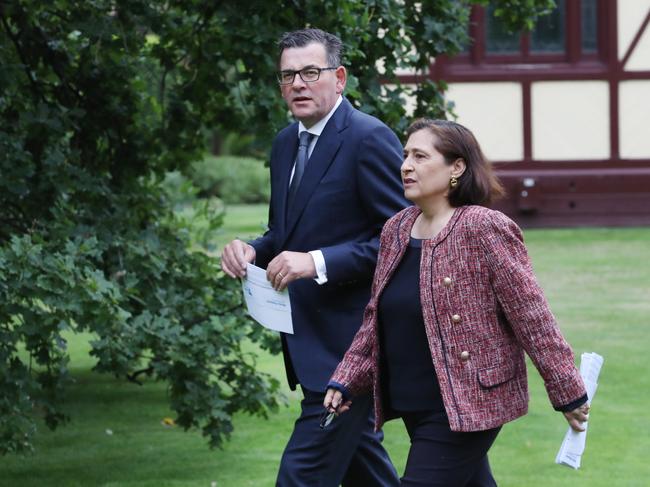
(268,307)
(573,445)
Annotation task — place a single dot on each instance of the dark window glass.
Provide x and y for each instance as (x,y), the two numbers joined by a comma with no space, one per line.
(498,39)
(548,34)
(589,23)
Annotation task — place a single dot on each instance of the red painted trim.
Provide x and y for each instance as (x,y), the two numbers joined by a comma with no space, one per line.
(558,167)
(525,47)
(478,47)
(517,72)
(587,196)
(628,75)
(531,59)
(527,116)
(614,124)
(435,70)
(605,11)
(589,171)
(552,72)
(614,75)
(573,31)
(635,41)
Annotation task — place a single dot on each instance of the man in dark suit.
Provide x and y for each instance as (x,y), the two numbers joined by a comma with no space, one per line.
(332,189)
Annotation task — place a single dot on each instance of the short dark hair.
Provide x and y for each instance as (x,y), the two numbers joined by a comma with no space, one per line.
(478,185)
(301,38)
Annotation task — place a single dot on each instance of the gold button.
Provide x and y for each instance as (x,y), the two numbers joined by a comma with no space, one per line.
(455,318)
(464,355)
(447,281)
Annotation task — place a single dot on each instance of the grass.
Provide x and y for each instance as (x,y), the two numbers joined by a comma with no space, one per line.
(598,284)
(243,222)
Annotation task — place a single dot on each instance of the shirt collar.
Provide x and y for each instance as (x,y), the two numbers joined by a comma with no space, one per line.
(318,127)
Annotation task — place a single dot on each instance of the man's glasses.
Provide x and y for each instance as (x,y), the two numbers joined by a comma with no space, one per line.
(308,75)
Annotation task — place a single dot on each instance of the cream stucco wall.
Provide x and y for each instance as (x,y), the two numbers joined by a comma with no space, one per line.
(630,15)
(640,58)
(493,111)
(634,119)
(570,120)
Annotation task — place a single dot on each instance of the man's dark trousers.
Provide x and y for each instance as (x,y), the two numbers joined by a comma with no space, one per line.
(347,452)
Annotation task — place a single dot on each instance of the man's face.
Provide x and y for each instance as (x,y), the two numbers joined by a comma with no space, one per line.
(310,102)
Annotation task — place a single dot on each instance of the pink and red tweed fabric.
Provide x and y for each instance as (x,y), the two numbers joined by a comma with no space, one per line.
(482,308)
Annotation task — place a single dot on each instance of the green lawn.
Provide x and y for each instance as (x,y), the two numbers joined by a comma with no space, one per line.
(243,222)
(598,283)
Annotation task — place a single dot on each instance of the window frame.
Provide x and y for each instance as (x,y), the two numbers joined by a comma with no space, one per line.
(477,54)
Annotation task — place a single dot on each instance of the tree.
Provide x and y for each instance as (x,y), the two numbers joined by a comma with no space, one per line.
(99,100)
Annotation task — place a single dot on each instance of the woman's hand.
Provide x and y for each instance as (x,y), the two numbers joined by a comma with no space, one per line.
(333,402)
(578,416)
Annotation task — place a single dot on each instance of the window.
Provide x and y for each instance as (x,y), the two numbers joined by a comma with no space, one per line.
(497,38)
(570,33)
(589,25)
(548,34)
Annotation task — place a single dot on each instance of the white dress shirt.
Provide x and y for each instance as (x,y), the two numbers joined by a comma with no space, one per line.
(316,130)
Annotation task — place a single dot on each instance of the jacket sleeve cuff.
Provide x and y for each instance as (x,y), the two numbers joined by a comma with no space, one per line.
(339,387)
(572,405)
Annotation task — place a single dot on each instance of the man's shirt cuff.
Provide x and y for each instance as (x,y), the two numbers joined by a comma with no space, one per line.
(319,262)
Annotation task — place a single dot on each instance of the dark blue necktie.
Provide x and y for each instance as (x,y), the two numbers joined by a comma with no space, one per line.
(301,162)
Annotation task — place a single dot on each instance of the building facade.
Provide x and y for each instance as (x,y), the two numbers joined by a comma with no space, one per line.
(563,112)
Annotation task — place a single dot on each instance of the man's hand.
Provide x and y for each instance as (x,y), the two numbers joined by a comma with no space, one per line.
(578,416)
(235,256)
(288,266)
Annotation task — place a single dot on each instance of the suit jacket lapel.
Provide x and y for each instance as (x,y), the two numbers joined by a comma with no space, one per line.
(287,156)
(323,155)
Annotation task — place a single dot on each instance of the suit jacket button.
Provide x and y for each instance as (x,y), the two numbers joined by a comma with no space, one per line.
(455,318)
(447,281)
(464,355)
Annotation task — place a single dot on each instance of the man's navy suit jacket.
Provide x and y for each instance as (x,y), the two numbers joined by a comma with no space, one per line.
(350,187)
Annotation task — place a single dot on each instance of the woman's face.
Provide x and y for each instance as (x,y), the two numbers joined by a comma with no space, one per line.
(425,174)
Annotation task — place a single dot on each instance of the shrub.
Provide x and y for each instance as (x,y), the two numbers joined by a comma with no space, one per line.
(232,179)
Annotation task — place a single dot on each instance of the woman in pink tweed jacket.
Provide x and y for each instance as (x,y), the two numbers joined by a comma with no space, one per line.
(480,308)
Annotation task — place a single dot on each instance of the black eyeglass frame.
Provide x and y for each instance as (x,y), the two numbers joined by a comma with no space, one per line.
(299,72)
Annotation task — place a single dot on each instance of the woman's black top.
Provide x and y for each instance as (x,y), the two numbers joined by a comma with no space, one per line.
(408,378)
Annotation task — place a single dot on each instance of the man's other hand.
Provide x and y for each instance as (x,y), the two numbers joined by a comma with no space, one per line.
(288,266)
(235,256)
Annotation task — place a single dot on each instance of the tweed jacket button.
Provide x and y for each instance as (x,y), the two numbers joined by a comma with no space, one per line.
(464,355)
(455,318)
(447,281)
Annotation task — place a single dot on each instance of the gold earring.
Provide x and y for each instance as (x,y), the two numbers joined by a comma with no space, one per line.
(453,182)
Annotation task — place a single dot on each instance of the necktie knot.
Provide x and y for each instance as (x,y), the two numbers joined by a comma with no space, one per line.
(305,139)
